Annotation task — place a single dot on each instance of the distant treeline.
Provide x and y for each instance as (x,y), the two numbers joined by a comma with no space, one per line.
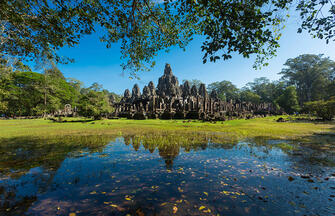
(307,85)
(27,93)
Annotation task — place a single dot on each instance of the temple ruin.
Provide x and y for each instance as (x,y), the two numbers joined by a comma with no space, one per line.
(173,101)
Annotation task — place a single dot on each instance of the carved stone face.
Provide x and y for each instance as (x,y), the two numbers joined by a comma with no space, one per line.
(186,90)
(194,91)
(202,90)
(126,94)
(146,91)
(152,88)
(168,84)
(136,92)
(168,70)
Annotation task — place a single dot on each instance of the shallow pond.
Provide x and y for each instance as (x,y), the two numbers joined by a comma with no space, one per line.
(158,175)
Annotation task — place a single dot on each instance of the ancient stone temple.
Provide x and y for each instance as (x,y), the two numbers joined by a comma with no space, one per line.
(173,101)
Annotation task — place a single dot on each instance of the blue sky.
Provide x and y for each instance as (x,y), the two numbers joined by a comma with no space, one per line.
(95,63)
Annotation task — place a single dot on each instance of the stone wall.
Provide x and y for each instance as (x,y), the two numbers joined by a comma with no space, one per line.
(173,101)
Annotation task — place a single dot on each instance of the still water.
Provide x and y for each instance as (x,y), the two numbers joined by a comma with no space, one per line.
(164,175)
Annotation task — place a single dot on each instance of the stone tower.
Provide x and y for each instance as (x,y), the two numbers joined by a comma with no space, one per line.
(136,92)
(186,90)
(202,91)
(152,88)
(168,85)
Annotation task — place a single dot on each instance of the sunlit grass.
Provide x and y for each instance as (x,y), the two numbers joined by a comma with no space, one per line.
(234,129)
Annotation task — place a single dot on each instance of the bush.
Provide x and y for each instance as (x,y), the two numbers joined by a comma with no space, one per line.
(289,100)
(323,109)
(93,104)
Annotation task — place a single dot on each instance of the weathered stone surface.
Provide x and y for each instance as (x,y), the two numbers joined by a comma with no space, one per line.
(186,90)
(203,91)
(152,88)
(168,84)
(194,91)
(136,92)
(214,94)
(139,116)
(146,92)
(127,94)
(170,100)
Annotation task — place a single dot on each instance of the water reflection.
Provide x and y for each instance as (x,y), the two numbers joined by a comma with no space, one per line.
(165,174)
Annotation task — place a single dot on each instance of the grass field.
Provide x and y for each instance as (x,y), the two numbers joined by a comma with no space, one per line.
(234,129)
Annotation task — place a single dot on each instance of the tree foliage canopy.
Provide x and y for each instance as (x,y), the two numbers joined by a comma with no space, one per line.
(27,93)
(226,90)
(94,104)
(267,90)
(37,28)
(249,96)
(312,75)
(288,100)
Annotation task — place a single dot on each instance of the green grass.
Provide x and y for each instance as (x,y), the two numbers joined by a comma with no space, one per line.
(234,129)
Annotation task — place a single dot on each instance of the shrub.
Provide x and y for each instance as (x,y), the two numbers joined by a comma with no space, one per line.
(323,109)
(93,104)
